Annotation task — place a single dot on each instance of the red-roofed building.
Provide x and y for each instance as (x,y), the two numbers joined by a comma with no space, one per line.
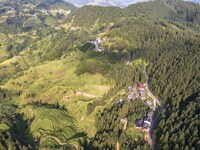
(142,86)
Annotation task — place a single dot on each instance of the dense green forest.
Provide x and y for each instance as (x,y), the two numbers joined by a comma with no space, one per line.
(110,129)
(51,75)
(180,95)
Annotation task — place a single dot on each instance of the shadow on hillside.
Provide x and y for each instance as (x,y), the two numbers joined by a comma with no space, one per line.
(20,131)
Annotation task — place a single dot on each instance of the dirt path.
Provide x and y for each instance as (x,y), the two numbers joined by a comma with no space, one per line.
(68,98)
(117,146)
(125,124)
(86,95)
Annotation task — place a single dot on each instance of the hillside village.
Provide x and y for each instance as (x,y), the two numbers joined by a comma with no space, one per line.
(34,14)
(97,43)
(139,91)
(30,9)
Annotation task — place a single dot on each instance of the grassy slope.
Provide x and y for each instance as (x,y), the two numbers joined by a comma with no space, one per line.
(56,81)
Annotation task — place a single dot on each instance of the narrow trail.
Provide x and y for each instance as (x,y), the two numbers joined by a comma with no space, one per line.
(86,95)
(117,146)
(68,98)
(156,118)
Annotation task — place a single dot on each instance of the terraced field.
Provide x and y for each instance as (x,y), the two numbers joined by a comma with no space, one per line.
(52,123)
(56,82)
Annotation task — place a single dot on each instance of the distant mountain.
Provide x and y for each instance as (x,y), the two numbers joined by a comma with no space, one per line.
(54,3)
(120,3)
(195,1)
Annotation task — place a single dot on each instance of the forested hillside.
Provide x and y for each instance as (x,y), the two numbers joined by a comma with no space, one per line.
(66,74)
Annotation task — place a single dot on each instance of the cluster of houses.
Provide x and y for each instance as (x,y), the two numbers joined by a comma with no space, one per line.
(145,122)
(11,11)
(97,43)
(29,10)
(137,91)
(60,11)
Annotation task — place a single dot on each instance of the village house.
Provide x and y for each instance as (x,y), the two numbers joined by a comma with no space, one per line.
(133,93)
(26,10)
(34,16)
(145,122)
(139,122)
(142,95)
(43,11)
(120,101)
(123,120)
(135,87)
(131,96)
(141,87)
(141,90)
(149,103)
(99,40)
(97,43)
(11,11)
(130,89)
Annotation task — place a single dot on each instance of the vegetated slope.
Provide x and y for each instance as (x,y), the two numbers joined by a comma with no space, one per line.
(48,4)
(184,12)
(111,129)
(88,16)
(177,84)
(171,46)
(51,68)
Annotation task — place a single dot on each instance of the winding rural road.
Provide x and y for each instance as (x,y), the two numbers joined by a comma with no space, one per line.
(156,118)
(149,92)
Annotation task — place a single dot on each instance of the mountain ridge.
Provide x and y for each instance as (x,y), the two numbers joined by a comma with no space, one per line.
(119,3)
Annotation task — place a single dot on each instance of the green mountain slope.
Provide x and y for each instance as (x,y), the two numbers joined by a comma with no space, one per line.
(66,95)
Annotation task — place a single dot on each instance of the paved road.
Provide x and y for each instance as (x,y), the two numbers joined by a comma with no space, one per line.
(149,92)
(152,96)
(153,126)
(156,118)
